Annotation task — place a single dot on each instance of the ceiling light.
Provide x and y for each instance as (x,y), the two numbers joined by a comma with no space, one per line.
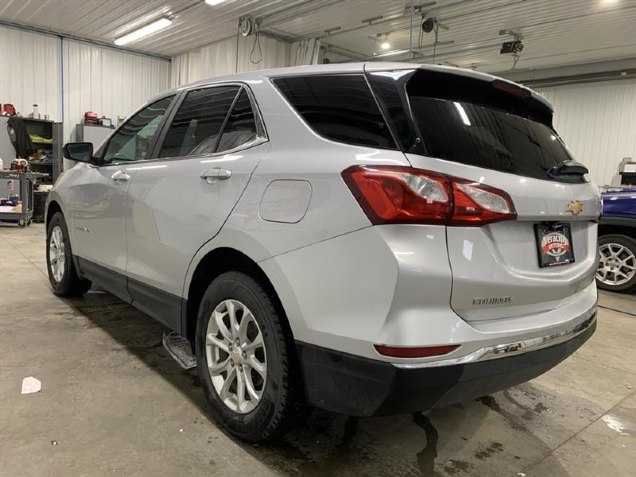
(214,2)
(390,53)
(144,31)
(385,45)
(611,1)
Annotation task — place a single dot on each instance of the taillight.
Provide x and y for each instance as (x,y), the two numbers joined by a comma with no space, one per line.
(402,195)
(479,204)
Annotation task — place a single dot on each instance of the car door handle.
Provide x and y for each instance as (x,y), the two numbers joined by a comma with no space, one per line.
(216,174)
(120,176)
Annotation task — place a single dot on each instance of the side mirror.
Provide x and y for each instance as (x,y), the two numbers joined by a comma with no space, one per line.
(79,151)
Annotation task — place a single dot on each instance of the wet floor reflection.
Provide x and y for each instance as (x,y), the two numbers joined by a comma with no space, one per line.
(495,435)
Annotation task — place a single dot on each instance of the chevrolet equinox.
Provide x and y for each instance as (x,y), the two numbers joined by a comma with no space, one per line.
(365,238)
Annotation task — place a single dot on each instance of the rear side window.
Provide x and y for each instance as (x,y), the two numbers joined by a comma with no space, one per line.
(338,107)
(196,126)
(241,125)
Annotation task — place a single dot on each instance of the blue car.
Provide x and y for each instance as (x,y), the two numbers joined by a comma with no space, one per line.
(617,241)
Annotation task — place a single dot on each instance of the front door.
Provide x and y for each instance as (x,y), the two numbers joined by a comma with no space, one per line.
(98,199)
(179,200)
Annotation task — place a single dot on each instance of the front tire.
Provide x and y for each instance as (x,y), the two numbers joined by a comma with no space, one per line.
(617,267)
(246,361)
(59,260)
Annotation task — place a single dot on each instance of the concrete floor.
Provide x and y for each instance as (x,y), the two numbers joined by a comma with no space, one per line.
(114,403)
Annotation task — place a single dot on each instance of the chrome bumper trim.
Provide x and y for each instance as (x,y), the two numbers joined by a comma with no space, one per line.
(509,349)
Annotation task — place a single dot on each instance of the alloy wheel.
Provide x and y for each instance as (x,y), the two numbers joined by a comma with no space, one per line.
(57,256)
(617,265)
(236,356)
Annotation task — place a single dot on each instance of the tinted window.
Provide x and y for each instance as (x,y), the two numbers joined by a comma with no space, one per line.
(339,107)
(132,141)
(487,137)
(196,126)
(241,125)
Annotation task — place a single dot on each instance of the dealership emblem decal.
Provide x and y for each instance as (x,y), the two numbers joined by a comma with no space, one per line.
(555,244)
(575,207)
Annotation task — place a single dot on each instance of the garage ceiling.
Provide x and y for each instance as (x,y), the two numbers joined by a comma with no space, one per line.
(554,33)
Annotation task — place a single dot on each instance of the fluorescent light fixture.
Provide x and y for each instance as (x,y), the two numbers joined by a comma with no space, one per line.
(385,45)
(144,31)
(214,2)
(611,1)
(462,113)
(390,53)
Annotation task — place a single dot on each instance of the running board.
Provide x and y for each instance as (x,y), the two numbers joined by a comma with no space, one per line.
(179,348)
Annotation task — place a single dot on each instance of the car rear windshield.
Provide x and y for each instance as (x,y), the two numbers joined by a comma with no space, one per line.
(461,130)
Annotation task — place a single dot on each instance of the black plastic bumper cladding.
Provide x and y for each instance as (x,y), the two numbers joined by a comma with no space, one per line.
(348,384)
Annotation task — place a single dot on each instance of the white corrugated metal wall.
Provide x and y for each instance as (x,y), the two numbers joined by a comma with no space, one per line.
(598,123)
(597,120)
(94,78)
(110,82)
(220,58)
(29,71)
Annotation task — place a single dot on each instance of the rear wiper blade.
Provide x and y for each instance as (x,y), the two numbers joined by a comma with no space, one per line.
(568,168)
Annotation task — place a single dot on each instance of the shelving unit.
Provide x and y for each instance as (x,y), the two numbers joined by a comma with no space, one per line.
(51,146)
(42,172)
(49,130)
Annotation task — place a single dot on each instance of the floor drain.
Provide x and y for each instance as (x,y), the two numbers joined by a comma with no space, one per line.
(104,308)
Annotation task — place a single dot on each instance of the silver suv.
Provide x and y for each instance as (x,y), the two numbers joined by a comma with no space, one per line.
(366,238)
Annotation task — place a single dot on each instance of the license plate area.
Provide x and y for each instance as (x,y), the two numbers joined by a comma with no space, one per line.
(554,244)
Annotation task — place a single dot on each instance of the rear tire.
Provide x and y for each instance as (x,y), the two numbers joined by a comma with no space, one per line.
(249,355)
(59,260)
(617,267)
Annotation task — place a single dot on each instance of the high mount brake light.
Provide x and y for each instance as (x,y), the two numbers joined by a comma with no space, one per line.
(511,89)
(404,195)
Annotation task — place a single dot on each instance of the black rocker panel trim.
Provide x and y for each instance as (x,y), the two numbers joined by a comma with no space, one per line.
(162,306)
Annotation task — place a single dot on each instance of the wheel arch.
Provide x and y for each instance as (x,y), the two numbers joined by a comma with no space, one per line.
(212,265)
(614,229)
(51,209)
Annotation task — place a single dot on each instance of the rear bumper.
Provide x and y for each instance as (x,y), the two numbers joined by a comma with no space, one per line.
(359,386)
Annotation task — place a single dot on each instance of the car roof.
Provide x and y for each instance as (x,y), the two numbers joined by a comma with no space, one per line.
(333,68)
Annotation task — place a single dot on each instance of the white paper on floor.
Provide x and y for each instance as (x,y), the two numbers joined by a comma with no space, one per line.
(31,385)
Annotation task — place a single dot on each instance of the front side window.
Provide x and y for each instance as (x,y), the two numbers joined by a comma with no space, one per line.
(132,141)
(338,107)
(196,127)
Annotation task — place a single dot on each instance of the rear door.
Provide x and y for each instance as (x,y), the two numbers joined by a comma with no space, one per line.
(180,198)
(498,135)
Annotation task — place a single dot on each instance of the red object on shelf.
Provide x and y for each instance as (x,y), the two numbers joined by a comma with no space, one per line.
(8,110)
(90,117)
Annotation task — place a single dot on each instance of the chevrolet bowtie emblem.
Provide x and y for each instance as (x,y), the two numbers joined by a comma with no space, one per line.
(575,207)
